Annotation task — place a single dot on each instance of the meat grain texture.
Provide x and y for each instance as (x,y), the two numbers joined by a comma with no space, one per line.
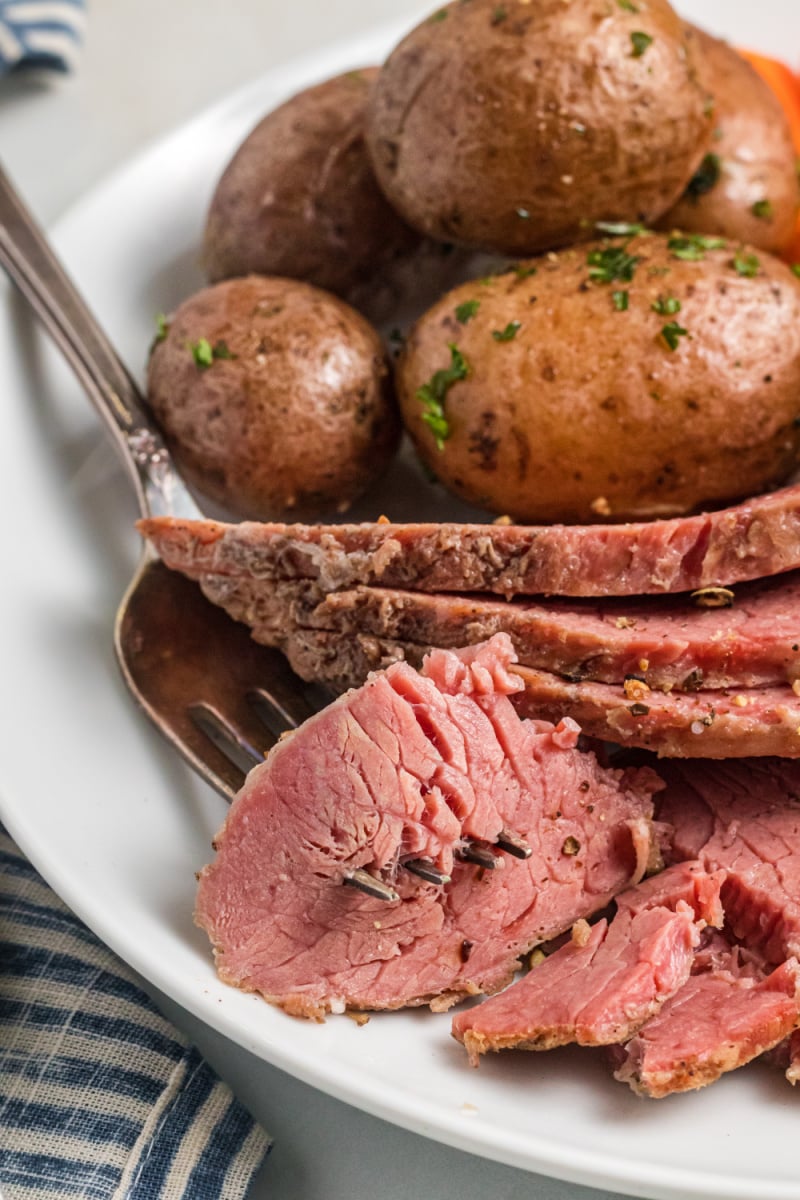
(757,538)
(407,767)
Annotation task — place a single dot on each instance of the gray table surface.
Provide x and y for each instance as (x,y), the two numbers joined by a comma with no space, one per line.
(148,66)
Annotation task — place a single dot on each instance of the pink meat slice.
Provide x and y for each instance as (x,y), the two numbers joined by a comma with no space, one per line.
(732,1009)
(743,998)
(730,724)
(669,641)
(409,766)
(752,540)
(601,986)
(743,817)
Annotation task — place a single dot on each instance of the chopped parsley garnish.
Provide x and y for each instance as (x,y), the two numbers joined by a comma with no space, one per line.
(763,210)
(204,353)
(640,41)
(672,333)
(619,228)
(162,328)
(466,311)
(746,264)
(433,394)
(691,247)
(506,335)
(666,306)
(705,177)
(612,263)
(627,6)
(795,269)
(438,16)
(621,300)
(523,272)
(498,16)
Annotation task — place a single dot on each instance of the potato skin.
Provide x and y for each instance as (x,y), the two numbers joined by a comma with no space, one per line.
(299,197)
(756,158)
(583,413)
(297,418)
(514,127)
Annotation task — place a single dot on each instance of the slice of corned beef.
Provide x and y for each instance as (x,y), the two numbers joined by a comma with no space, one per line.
(733,1008)
(670,642)
(744,996)
(743,817)
(758,538)
(735,723)
(601,986)
(408,767)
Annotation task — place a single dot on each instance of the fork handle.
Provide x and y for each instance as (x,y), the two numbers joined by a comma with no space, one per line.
(33,267)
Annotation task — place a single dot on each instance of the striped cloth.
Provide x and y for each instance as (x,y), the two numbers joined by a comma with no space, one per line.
(100,1097)
(40,33)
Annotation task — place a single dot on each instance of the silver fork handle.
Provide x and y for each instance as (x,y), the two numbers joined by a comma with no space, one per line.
(33,267)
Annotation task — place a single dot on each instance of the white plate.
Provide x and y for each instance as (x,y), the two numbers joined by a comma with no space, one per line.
(118,826)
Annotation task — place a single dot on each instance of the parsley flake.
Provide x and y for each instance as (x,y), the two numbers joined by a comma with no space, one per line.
(763,210)
(621,300)
(438,16)
(434,392)
(640,41)
(524,272)
(692,247)
(162,328)
(672,333)
(795,269)
(204,353)
(666,306)
(627,6)
(705,177)
(612,263)
(466,311)
(746,264)
(509,333)
(498,16)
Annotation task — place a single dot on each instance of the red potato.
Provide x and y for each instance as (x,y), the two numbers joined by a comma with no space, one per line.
(637,377)
(514,127)
(747,185)
(274,396)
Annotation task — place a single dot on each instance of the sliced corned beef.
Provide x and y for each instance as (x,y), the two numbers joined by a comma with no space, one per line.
(601,986)
(758,538)
(744,996)
(743,817)
(732,1009)
(735,723)
(671,642)
(408,767)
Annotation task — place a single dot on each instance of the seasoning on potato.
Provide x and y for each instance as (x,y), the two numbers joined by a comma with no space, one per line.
(514,127)
(299,197)
(639,376)
(746,186)
(274,396)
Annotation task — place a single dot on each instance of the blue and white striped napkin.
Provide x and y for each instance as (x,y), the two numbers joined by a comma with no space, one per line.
(40,33)
(100,1097)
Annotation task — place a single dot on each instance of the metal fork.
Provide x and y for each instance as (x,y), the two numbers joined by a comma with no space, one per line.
(217,696)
